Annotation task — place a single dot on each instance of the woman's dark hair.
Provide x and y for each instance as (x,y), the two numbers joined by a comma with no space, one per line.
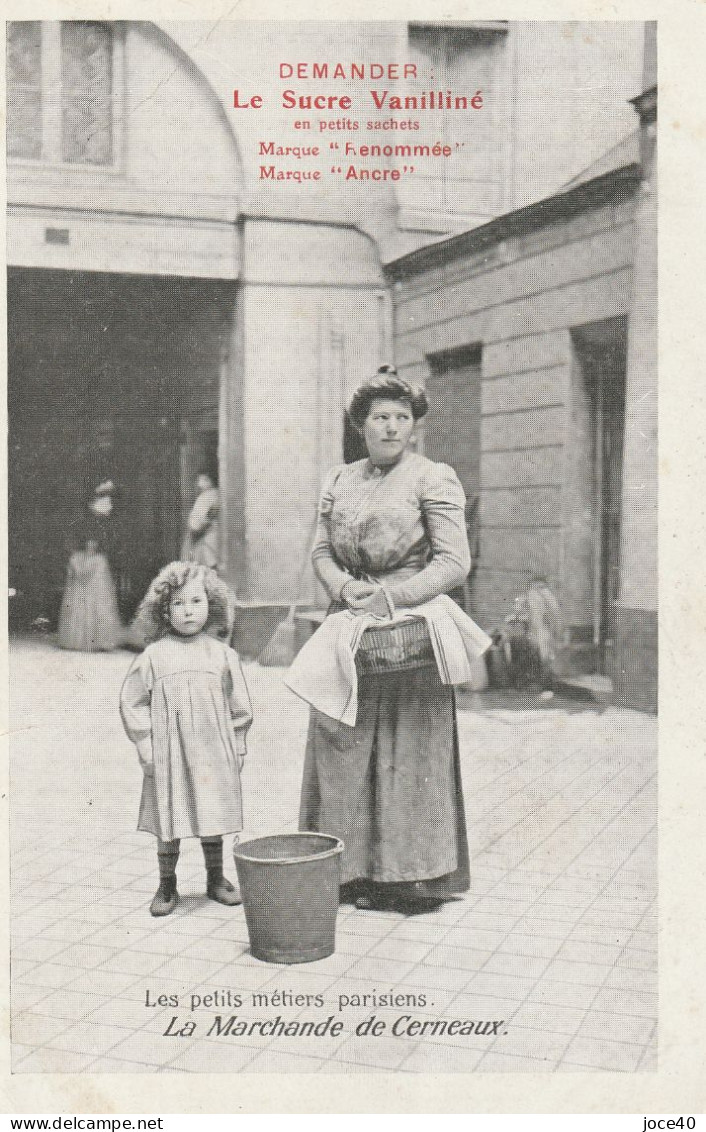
(388,386)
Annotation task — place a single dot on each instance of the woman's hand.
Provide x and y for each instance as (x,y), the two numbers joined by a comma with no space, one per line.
(365,597)
(355,593)
(377,604)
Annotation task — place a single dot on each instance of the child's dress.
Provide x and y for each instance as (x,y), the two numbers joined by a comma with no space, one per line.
(190,696)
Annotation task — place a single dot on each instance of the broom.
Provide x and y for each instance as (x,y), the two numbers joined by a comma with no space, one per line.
(281,649)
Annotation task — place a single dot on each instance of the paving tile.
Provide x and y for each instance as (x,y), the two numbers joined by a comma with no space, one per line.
(588,974)
(337,964)
(504,1063)
(575,995)
(89,1038)
(555,1019)
(592,933)
(353,944)
(525,966)
(585,951)
(102,982)
(482,1007)
(465,936)
(379,969)
(18,1052)
(383,1052)
(48,975)
(638,1031)
(457,958)
(612,1000)
(500,986)
(69,1005)
(643,941)
(541,926)
(117,1012)
(112,1065)
(538,946)
(524,1042)
(33,923)
(216,950)
(47,1060)
(21,967)
(71,930)
(429,1058)
(162,942)
(604,1054)
(346,1068)
(34,1029)
(132,963)
(445,979)
(639,960)
(118,935)
(482,920)
(274,1061)
(649,1062)
(37,949)
(613,919)
(184,973)
(374,923)
(85,956)
(208,1057)
(23,996)
(403,950)
(630,978)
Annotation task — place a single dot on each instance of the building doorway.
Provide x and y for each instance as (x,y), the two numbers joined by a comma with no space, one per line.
(106,375)
(594,484)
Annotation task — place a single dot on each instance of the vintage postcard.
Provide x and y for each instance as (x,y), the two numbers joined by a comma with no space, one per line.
(332,374)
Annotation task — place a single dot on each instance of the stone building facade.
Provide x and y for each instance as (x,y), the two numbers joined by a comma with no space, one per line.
(536,337)
(168,306)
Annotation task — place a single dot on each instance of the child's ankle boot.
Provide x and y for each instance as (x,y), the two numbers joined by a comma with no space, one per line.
(166,897)
(217,887)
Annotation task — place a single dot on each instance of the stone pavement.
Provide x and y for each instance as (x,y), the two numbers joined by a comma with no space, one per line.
(557,937)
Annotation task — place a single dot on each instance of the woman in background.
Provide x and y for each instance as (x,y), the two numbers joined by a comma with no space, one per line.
(202,539)
(89,620)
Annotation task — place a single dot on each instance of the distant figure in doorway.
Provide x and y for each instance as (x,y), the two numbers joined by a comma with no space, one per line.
(202,539)
(533,637)
(89,620)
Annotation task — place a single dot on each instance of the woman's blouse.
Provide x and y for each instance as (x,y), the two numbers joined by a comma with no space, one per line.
(403,525)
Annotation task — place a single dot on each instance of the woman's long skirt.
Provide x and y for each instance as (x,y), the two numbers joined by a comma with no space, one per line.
(89,620)
(390,787)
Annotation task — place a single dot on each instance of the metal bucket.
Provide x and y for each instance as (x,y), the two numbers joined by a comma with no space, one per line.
(290,888)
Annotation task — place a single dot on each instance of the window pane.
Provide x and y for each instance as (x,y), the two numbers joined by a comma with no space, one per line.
(87,93)
(24,89)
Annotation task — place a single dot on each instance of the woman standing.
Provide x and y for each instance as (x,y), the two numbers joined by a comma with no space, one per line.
(202,539)
(391,535)
(89,620)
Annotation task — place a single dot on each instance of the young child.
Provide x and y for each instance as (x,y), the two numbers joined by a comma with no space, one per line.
(185,706)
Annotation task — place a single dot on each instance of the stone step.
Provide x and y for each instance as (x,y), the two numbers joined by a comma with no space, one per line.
(590,686)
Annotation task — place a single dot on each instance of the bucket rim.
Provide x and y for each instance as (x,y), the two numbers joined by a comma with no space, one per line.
(333,851)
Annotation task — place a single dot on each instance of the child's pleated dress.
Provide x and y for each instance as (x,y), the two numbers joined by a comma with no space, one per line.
(190,696)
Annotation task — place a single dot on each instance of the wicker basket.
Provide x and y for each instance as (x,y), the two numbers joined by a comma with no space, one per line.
(395,648)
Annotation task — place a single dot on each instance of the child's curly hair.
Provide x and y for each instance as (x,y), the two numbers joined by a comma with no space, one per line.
(152,620)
